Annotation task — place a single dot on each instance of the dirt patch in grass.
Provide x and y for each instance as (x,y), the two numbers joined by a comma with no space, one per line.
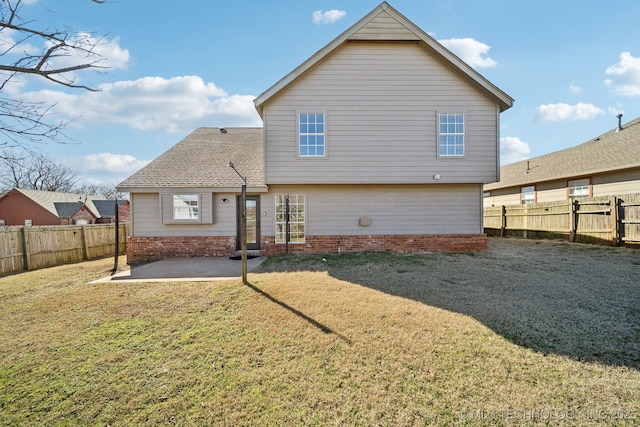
(355,340)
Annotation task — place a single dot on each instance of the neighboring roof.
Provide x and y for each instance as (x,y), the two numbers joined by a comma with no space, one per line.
(106,208)
(386,23)
(614,150)
(201,160)
(68,209)
(48,200)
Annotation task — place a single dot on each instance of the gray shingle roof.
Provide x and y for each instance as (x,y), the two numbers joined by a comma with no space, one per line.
(67,209)
(201,160)
(106,208)
(610,151)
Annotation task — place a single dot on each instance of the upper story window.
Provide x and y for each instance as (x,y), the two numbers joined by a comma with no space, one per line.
(579,188)
(186,207)
(311,136)
(451,134)
(528,195)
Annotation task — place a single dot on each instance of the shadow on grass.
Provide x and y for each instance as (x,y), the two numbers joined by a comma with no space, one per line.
(298,313)
(578,301)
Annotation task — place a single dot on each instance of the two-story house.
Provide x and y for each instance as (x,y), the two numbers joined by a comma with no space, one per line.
(382,140)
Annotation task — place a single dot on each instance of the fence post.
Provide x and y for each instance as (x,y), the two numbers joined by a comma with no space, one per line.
(25,243)
(573,220)
(85,244)
(503,221)
(620,215)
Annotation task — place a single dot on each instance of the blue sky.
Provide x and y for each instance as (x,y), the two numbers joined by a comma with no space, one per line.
(571,67)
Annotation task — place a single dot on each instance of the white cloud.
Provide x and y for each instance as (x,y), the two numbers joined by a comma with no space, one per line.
(107,52)
(171,105)
(104,168)
(470,51)
(117,163)
(10,45)
(625,74)
(563,112)
(327,17)
(512,150)
(101,52)
(614,110)
(575,89)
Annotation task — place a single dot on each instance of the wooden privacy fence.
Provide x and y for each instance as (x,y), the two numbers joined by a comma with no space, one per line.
(610,220)
(29,248)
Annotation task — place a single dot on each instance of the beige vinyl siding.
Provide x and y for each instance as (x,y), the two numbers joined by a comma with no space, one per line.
(146,218)
(551,191)
(622,182)
(505,196)
(381,101)
(384,27)
(605,184)
(393,209)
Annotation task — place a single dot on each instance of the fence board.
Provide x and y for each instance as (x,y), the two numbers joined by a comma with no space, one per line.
(595,220)
(629,212)
(52,245)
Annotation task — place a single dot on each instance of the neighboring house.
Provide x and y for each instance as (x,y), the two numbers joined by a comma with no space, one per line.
(382,140)
(604,166)
(107,211)
(34,207)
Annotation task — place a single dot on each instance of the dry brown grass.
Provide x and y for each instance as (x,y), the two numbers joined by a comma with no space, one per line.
(374,339)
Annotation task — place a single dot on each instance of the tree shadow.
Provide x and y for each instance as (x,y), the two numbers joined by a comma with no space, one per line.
(578,301)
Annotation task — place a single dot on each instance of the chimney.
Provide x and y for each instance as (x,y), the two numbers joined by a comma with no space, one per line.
(619,116)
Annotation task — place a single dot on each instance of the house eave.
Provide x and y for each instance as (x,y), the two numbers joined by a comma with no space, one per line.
(170,189)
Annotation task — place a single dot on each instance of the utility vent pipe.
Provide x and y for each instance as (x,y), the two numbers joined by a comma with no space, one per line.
(619,116)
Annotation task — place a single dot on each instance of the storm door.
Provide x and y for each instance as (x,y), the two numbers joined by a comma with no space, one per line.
(253,222)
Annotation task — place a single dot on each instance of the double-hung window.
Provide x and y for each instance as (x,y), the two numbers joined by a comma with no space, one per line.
(451,134)
(186,207)
(311,135)
(579,188)
(290,210)
(528,195)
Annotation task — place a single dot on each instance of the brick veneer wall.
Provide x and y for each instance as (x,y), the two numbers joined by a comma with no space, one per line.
(389,242)
(146,249)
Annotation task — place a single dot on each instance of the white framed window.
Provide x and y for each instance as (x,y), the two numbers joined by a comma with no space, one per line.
(311,134)
(186,207)
(451,134)
(579,188)
(296,218)
(528,195)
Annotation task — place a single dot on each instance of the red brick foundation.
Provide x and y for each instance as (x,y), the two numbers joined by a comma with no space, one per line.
(390,242)
(147,249)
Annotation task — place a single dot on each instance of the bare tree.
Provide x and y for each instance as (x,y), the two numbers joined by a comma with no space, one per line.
(103,190)
(35,171)
(63,53)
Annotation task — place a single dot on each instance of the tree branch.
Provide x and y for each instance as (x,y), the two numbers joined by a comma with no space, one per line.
(30,122)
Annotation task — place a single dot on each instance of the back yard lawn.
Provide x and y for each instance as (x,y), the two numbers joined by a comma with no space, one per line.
(528,332)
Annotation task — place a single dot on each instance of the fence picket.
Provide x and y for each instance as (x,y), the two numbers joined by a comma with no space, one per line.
(609,219)
(29,248)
